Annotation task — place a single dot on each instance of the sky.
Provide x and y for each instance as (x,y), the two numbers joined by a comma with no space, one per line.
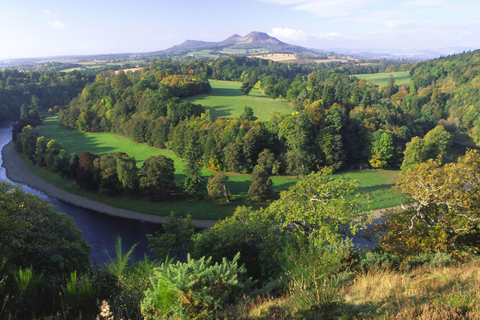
(45,28)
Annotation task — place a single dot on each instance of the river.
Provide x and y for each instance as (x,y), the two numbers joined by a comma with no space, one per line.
(99,230)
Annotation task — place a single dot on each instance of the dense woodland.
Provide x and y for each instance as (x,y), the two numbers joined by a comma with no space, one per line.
(289,258)
(338,121)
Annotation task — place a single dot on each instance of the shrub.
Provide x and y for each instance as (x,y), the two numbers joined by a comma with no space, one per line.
(376,260)
(176,241)
(434,260)
(196,289)
(316,272)
(79,298)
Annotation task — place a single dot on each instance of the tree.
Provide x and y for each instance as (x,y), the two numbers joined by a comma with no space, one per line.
(246,88)
(216,188)
(127,172)
(383,151)
(120,81)
(86,173)
(267,161)
(435,143)
(414,153)
(41,151)
(33,233)
(117,172)
(53,149)
(176,240)
(260,186)
(156,181)
(443,211)
(28,140)
(61,163)
(193,168)
(247,114)
(319,206)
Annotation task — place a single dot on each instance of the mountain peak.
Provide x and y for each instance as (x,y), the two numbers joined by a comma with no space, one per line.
(254,39)
(261,37)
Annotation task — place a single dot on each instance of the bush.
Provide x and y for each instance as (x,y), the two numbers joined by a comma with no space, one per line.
(196,289)
(376,260)
(255,239)
(176,241)
(79,298)
(434,260)
(316,272)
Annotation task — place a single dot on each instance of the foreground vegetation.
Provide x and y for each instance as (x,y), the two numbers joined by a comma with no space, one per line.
(290,260)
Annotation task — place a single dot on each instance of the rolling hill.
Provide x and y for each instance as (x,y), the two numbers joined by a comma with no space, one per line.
(253,40)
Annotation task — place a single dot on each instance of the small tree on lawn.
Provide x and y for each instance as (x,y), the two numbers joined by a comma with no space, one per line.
(261,186)
(246,88)
(216,188)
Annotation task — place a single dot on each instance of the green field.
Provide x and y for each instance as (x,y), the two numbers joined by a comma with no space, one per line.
(226,101)
(376,183)
(381,79)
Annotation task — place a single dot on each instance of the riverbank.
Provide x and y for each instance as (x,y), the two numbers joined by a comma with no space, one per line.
(17,171)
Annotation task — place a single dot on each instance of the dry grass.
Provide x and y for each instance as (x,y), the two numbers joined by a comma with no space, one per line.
(424,293)
(390,292)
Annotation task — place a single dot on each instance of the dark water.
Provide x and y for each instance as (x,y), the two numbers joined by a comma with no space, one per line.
(99,230)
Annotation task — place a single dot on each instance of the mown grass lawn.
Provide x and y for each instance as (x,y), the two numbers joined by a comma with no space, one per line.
(226,101)
(381,79)
(376,183)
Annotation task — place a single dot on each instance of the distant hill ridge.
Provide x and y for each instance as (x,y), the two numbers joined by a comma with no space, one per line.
(253,40)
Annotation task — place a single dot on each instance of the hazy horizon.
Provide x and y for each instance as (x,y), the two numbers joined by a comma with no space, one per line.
(32,29)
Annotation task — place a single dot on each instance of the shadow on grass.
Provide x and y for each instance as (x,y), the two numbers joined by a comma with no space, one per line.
(226,92)
(371,189)
(221,111)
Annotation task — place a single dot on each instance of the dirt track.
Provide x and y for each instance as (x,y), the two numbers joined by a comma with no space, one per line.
(18,172)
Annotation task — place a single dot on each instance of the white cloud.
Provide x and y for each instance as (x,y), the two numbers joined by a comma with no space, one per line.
(425,3)
(327,8)
(47,12)
(463,7)
(57,24)
(289,34)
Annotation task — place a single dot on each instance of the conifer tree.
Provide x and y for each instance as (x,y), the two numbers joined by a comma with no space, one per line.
(193,168)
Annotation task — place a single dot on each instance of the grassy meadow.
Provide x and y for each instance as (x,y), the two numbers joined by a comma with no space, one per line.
(381,79)
(376,183)
(226,101)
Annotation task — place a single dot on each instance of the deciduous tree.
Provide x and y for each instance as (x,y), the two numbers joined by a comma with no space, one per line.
(443,211)
(34,234)
(156,181)
(260,186)
(216,188)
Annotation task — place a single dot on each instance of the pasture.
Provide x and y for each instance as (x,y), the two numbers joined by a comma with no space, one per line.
(375,183)
(226,101)
(381,79)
